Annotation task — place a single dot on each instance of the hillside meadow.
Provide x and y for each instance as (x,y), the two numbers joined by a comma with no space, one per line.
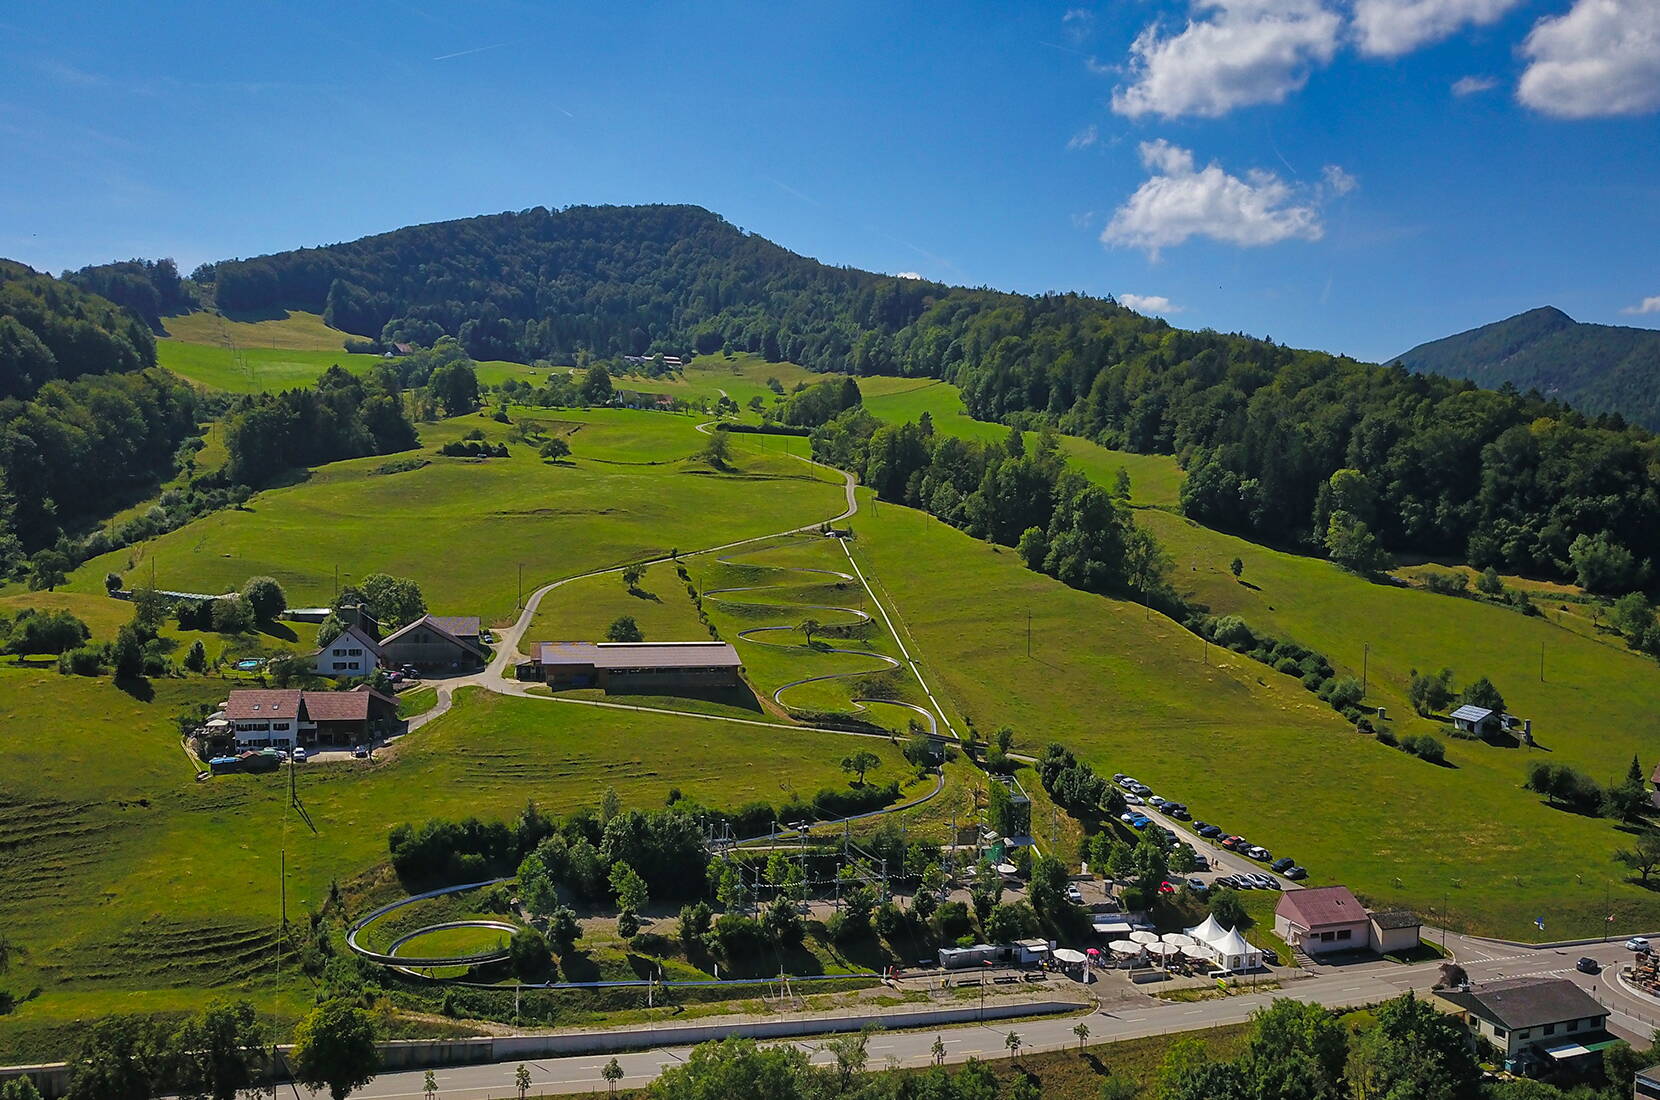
(1246,747)
(152,891)
(463,527)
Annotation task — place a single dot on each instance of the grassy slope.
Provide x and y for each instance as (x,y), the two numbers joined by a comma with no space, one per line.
(1242,745)
(1594,710)
(460,527)
(148,880)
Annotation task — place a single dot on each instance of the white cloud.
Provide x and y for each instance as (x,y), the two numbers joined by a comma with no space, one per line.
(1077,23)
(1389,28)
(1232,53)
(1181,201)
(1602,57)
(1149,303)
(1083,219)
(1471,85)
(1337,181)
(1084,138)
(1647,305)
(907,275)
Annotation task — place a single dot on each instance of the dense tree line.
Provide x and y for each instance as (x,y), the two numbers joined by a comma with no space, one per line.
(1062,524)
(150,288)
(75,449)
(340,417)
(51,329)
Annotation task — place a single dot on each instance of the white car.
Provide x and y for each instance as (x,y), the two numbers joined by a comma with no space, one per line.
(299,756)
(1132,799)
(1636,943)
(1073,894)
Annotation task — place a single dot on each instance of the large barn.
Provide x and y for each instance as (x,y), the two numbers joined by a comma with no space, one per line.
(637,666)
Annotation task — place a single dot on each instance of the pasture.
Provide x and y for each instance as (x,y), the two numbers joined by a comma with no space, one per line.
(1248,748)
(464,528)
(154,891)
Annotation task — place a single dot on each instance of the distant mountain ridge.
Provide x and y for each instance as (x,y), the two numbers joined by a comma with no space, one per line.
(1598,368)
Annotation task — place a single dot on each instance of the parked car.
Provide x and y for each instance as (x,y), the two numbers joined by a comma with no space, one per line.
(1259,853)
(1636,943)
(1119,777)
(1265,882)
(1165,887)
(1131,798)
(1232,843)
(359,752)
(409,670)
(1587,965)
(1179,813)
(1284,864)
(299,756)
(1206,829)
(1126,817)
(1297,872)
(1156,802)
(1140,821)
(1197,885)
(1073,894)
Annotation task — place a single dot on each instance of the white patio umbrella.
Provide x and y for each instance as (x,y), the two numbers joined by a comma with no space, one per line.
(1164,949)
(1144,937)
(1180,939)
(1068,955)
(1125,947)
(1196,952)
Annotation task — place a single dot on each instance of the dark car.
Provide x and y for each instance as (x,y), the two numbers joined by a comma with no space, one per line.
(1206,829)
(1283,864)
(1179,813)
(1298,872)
(1587,965)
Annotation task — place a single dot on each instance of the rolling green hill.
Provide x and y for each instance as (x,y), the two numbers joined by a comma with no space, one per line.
(1598,368)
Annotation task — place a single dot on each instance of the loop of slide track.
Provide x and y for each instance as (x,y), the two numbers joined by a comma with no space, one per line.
(861,704)
(391,958)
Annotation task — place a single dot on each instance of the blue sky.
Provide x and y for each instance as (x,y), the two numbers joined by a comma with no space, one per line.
(1311,170)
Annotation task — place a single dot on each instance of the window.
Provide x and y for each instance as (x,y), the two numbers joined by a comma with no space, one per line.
(1344,934)
(1550,1029)
(1573,1025)
(354,652)
(338,665)
(1498,1032)
(340,653)
(1325,937)
(1523,1034)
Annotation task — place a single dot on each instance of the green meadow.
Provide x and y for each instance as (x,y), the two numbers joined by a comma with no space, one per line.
(129,879)
(464,528)
(1251,750)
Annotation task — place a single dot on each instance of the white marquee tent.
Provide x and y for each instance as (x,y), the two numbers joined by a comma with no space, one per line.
(1227,948)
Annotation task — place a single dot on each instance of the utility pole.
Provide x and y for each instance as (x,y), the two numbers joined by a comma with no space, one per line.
(1365,666)
(1028,632)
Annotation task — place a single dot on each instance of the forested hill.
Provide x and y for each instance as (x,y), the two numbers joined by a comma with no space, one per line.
(1599,368)
(50,329)
(1442,468)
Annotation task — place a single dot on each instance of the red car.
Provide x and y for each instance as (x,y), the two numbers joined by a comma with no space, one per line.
(1232,843)
(1166,888)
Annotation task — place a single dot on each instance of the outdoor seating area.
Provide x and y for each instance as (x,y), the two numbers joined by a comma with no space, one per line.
(1200,950)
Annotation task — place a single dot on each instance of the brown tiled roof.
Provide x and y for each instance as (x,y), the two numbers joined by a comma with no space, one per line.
(337,706)
(1321,905)
(248,704)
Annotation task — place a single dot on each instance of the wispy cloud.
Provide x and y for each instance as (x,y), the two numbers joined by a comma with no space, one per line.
(1647,305)
(788,190)
(475,49)
(1084,138)
(1474,85)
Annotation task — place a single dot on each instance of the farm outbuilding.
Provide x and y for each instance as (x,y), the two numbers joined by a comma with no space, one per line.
(638,666)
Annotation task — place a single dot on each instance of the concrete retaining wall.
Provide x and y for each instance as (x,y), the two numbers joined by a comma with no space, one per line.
(405,1054)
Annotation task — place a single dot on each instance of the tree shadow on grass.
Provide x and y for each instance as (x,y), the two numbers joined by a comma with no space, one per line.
(642,594)
(578,966)
(139,687)
(278,630)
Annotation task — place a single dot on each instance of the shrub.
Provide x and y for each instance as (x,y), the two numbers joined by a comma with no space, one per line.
(82,661)
(889,920)
(738,936)
(1387,736)
(1346,693)
(835,926)
(1425,747)
(954,919)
